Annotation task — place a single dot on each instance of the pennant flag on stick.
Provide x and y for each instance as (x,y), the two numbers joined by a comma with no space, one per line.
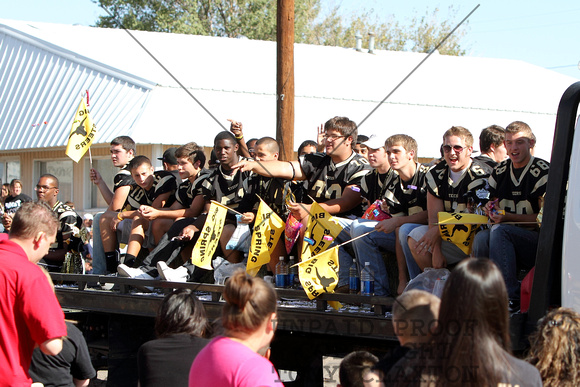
(267,231)
(209,236)
(82,133)
(320,232)
(319,274)
(459,228)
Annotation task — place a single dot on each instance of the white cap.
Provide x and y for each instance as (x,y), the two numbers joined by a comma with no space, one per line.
(88,217)
(374,142)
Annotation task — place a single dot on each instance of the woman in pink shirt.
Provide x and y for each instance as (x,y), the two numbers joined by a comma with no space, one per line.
(249,321)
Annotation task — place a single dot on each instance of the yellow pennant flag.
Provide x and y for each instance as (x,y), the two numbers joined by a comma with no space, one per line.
(268,228)
(209,236)
(82,133)
(459,228)
(319,274)
(320,232)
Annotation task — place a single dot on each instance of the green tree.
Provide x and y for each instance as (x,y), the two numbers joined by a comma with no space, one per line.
(256,19)
(422,34)
(425,32)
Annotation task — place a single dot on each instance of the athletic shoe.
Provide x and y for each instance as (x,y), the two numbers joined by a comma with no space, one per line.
(173,275)
(131,272)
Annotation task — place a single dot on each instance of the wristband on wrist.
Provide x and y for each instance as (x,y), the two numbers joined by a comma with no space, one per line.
(239,137)
(293,170)
(119,215)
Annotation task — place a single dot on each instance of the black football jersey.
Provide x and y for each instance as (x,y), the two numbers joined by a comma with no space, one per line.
(487,160)
(187,191)
(406,197)
(373,184)
(519,191)
(327,180)
(473,184)
(274,191)
(70,225)
(164,182)
(228,190)
(122,178)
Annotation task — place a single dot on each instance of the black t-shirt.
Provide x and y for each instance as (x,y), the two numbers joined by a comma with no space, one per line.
(73,361)
(165,362)
(519,191)
(456,194)
(164,182)
(327,180)
(13,203)
(414,369)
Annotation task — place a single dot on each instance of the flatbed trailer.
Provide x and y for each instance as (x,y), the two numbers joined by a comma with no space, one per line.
(123,319)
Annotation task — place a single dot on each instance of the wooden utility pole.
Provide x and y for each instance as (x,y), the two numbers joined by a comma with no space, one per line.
(285,79)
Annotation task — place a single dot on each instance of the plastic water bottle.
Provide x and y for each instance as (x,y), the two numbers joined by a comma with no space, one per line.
(353,278)
(293,280)
(281,274)
(367,278)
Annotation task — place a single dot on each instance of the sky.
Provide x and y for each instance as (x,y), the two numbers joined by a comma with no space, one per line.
(544,33)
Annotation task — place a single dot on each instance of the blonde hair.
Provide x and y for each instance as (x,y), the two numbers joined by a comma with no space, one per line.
(405,141)
(555,350)
(460,132)
(520,127)
(249,302)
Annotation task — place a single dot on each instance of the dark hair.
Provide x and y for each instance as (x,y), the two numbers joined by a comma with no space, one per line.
(361,138)
(126,142)
(225,135)
(305,144)
(492,135)
(249,301)
(48,175)
(270,143)
(343,125)
(213,160)
(137,161)
(32,218)
(473,331)
(181,312)
(193,152)
(354,366)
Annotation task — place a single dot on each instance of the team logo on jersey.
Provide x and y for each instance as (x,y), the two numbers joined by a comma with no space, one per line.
(482,193)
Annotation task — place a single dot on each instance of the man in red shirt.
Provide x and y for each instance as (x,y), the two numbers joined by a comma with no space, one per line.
(29,311)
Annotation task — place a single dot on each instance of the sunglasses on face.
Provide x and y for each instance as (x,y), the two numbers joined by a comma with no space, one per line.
(456,148)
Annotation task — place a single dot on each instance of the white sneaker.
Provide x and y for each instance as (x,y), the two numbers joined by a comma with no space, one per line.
(131,272)
(173,275)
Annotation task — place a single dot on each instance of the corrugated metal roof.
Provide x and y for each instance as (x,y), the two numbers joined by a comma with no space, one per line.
(41,88)
(235,78)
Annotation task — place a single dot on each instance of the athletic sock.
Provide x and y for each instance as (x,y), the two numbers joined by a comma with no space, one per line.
(112,260)
(130,260)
